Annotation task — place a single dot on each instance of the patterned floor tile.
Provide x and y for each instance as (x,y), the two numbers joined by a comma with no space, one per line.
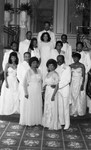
(9,142)
(13,126)
(46,129)
(30,143)
(32,134)
(10,134)
(2,126)
(76,145)
(52,144)
(52,148)
(22,148)
(87,136)
(52,135)
(8,148)
(72,129)
(35,128)
(88,143)
(86,130)
(69,137)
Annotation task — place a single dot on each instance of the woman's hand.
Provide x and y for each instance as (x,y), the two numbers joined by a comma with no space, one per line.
(26,96)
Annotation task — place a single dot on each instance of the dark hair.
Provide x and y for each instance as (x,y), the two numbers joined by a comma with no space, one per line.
(49,38)
(51,61)
(27,53)
(59,42)
(47,22)
(63,35)
(62,57)
(74,54)
(13,43)
(33,59)
(15,55)
(80,43)
(31,43)
(28,32)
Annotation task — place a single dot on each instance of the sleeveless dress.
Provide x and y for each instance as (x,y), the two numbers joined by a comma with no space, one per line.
(50,116)
(78,100)
(31,111)
(9,100)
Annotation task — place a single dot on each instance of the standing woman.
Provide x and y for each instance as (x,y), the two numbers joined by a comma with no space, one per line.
(45,48)
(77,90)
(32,104)
(9,100)
(50,117)
(33,48)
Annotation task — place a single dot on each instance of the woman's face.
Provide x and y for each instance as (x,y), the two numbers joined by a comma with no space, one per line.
(14,47)
(27,57)
(58,46)
(45,37)
(13,59)
(34,64)
(51,67)
(79,47)
(34,43)
(76,59)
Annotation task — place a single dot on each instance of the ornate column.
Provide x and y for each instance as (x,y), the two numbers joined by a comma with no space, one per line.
(23,25)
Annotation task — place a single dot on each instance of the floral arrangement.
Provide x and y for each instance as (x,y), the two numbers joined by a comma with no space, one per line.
(26,7)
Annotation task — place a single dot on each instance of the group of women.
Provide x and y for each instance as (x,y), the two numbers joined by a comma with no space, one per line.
(41,83)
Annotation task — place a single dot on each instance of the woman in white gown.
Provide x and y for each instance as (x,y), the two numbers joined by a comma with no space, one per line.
(33,49)
(50,116)
(45,48)
(78,106)
(9,100)
(31,113)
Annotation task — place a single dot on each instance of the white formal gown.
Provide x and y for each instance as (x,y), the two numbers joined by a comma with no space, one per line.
(45,54)
(78,98)
(31,112)
(9,100)
(50,116)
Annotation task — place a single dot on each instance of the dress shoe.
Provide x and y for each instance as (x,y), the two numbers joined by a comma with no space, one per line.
(66,127)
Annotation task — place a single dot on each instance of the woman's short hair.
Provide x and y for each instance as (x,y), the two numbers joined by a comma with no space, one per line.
(74,54)
(33,59)
(81,43)
(59,42)
(49,38)
(51,61)
(15,55)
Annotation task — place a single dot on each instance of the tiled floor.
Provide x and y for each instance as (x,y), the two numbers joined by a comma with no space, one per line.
(15,137)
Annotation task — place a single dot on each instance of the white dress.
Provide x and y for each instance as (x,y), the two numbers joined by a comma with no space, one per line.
(31,112)
(45,55)
(9,100)
(50,116)
(78,98)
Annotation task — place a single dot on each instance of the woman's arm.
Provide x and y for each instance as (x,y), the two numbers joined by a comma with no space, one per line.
(5,75)
(83,75)
(55,85)
(54,93)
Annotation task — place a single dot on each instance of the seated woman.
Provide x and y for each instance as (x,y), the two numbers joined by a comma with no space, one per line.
(9,100)
(31,111)
(77,93)
(50,116)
